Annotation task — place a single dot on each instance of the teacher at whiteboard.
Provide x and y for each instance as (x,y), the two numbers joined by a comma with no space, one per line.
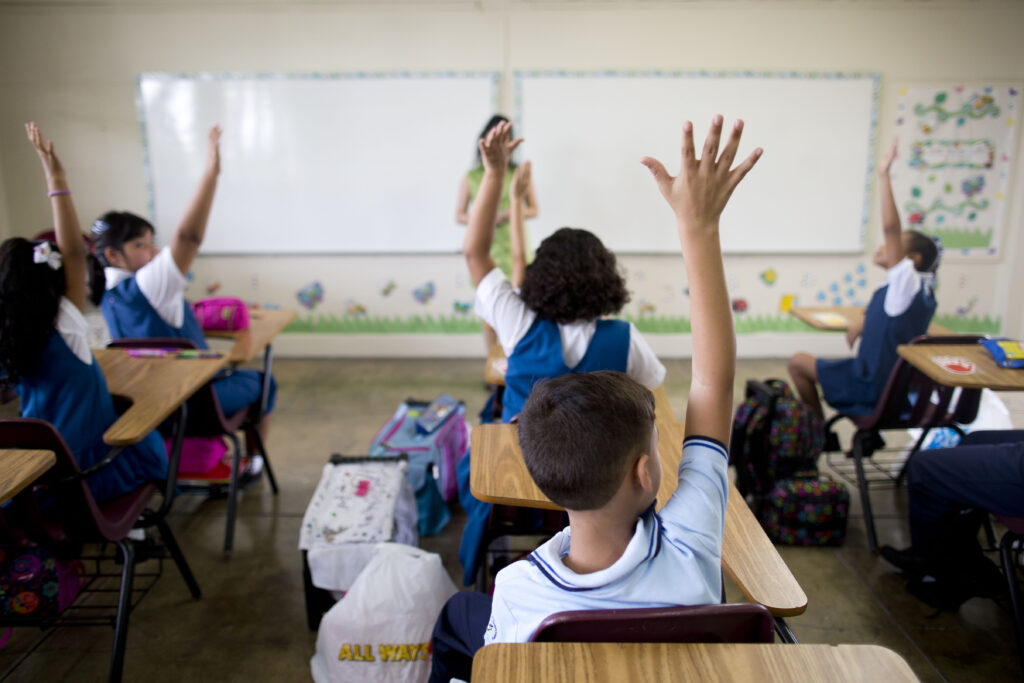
(504,252)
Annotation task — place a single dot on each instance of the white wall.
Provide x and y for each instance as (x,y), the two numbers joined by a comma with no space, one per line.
(72,67)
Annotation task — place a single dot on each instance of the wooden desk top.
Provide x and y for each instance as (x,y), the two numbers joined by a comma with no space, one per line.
(838,318)
(264,325)
(499,475)
(19,468)
(156,387)
(494,371)
(599,662)
(986,373)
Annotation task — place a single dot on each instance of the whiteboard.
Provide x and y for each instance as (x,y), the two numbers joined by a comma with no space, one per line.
(317,163)
(586,133)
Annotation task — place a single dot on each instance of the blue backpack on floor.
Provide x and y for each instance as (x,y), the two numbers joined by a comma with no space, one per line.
(432,455)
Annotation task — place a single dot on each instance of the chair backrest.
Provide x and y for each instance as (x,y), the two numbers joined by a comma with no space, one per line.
(205,415)
(728,623)
(54,514)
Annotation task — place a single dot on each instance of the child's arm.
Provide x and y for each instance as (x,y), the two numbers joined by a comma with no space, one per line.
(495,149)
(519,192)
(462,204)
(192,228)
(890,216)
(65,221)
(697,196)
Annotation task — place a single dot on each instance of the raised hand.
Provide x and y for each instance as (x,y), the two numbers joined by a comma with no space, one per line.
(52,166)
(703,187)
(496,147)
(213,150)
(521,182)
(886,163)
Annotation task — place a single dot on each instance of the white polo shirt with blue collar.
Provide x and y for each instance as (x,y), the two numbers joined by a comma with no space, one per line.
(674,557)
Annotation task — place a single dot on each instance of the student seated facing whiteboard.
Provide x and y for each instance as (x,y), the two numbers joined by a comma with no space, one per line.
(146,286)
(552,325)
(590,444)
(899,310)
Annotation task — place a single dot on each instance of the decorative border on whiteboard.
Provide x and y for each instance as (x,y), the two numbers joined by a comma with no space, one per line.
(495,77)
(875,77)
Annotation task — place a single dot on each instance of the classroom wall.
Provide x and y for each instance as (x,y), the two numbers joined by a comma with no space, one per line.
(72,65)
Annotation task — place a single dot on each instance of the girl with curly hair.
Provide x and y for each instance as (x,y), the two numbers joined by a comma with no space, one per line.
(554,324)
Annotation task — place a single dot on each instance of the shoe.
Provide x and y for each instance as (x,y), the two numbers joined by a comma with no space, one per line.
(905,560)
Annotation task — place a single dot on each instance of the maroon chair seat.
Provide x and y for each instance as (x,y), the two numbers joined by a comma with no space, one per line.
(727,623)
(206,419)
(59,513)
(910,399)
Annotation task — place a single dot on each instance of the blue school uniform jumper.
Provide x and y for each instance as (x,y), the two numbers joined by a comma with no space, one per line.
(854,385)
(129,314)
(74,398)
(537,356)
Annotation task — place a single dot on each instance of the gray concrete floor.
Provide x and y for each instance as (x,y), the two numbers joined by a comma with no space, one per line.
(250,623)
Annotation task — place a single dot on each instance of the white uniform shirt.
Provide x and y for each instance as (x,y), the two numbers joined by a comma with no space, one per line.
(161,283)
(499,305)
(74,329)
(904,284)
(674,558)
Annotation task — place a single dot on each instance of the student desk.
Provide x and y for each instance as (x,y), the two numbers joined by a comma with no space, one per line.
(264,325)
(839,318)
(20,467)
(699,662)
(499,475)
(156,386)
(986,374)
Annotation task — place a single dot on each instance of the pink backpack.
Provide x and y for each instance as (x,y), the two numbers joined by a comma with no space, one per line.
(199,454)
(221,313)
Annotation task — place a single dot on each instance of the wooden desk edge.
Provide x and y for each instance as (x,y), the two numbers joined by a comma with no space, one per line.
(39,460)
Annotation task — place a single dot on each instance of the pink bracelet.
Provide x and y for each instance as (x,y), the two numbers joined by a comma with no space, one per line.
(54,193)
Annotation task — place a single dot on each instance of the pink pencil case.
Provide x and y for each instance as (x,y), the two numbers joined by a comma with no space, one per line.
(221,313)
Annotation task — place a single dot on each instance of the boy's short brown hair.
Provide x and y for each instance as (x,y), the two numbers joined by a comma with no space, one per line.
(579,433)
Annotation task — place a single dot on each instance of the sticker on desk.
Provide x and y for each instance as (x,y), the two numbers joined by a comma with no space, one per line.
(829,318)
(957,365)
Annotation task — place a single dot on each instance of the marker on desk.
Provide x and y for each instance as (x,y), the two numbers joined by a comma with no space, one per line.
(198,353)
(149,353)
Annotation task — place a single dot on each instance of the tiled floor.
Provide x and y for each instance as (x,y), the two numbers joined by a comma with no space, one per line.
(250,623)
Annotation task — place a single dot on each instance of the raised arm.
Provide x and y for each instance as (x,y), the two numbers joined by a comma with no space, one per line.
(65,221)
(517,211)
(697,197)
(462,204)
(891,228)
(192,228)
(495,149)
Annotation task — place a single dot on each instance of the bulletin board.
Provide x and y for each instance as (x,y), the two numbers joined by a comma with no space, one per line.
(810,193)
(316,163)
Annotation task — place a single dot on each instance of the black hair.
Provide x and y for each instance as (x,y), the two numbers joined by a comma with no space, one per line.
(114,228)
(924,246)
(494,120)
(573,277)
(580,434)
(96,277)
(30,295)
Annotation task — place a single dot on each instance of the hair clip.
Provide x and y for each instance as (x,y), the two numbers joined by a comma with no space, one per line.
(100,226)
(44,253)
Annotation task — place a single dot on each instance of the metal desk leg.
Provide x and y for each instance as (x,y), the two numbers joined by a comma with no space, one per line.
(782,629)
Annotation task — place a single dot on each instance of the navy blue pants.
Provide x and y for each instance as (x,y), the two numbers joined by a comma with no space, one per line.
(951,489)
(240,389)
(458,634)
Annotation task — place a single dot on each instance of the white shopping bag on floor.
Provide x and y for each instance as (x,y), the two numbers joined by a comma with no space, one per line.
(380,630)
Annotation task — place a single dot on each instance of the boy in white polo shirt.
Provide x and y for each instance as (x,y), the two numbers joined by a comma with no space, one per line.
(590,444)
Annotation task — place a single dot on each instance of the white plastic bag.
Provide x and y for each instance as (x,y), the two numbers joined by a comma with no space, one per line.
(380,630)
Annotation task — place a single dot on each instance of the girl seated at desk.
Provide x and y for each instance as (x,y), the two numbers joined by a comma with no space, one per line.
(146,285)
(44,347)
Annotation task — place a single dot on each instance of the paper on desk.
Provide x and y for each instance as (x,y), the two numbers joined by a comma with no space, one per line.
(830,318)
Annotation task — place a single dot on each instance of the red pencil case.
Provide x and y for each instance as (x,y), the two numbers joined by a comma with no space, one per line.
(221,313)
